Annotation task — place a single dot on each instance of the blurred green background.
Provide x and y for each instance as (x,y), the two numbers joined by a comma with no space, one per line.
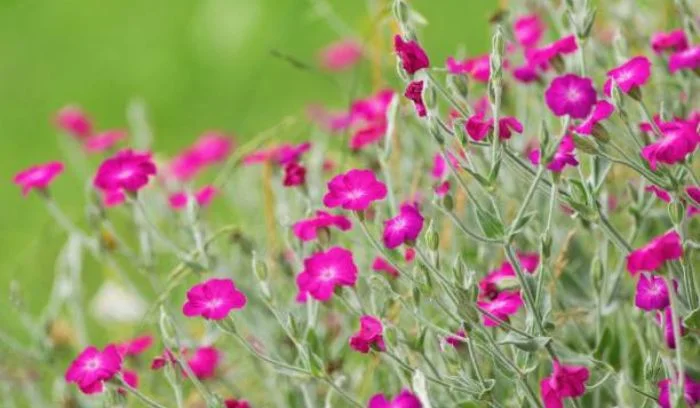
(198,65)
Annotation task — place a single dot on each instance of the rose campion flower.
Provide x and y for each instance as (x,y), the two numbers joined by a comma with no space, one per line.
(442,189)
(562,157)
(592,125)
(404,228)
(354,190)
(204,362)
(685,60)
(213,299)
(135,346)
(660,193)
(412,56)
(478,128)
(405,399)
(74,121)
(294,175)
(528,30)
(571,95)
(505,304)
(372,108)
(673,40)
(38,177)
(103,141)
(652,293)
(203,197)
(691,392)
(478,68)
(504,276)
(552,53)
(235,403)
(324,271)
(414,92)
(92,367)
(372,133)
(564,382)
(369,335)
(382,265)
(457,341)
(126,170)
(440,168)
(340,55)
(409,254)
(677,142)
(653,255)
(526,73)
(694,193)
(167,357)
(665,320)
(307,229)
(210,148)
(629,76)
(131,378)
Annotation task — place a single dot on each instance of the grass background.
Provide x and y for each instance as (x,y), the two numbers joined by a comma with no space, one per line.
(198,65)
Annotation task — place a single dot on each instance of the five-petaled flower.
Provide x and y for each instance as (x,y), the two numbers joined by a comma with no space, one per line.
(213,299)
(405,399)
(38,177)
(571,95)
(369,335)
(354,190)
(92,367)
(404,228)
(127,171)
(629,76)
(653,255)
(324,272)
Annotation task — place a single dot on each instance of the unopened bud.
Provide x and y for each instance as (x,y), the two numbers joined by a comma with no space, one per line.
(585,144)
(432,238)
(434,129)
(546,245)
(448,202)
(460,131)
(676,212)
(429,96)
(600,133)
(597,274)
(259,268)
(401,11)
(459,84)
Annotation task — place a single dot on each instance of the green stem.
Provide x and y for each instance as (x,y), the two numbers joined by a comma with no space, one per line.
(680,378)
(146,400)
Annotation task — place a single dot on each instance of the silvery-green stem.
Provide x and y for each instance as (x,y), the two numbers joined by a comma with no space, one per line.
(342,392)
(693,177)
(446,94)
(680,379)
(460,225)
(138,394)
(389,184)
(179,252)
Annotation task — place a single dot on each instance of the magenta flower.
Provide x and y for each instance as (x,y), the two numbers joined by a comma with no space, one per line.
(93,367)
(478,67)
(562,157)
(652,293)
(74,121)
(442,189)
(203,197)
(382,265)
(113,198)
(405,399)
(38,177)
(279,155)
(412,56)
(630,75)
(673,40)
(526,73)
(414,92)
(213,299)
(354,190)
(103,141)
(505,304)
(131,378)
(547,54)
(602,111)
(211,148)
(660,193)
(495,281)
(528,30)
(478,128)
(294,175)
(234,403)
(372,133)
(439,167)
(340,55)
(404,228)
(564,382)
(324,271)
(691,392)
(694,193)
(126,170)
(666,322)
(652,256)
(677,142)
(456,341)
(409,254)
(204,362)
(372,108)
(167,357)
(307,229)
(369,335)
(135,346)
(687,59)
(571,95)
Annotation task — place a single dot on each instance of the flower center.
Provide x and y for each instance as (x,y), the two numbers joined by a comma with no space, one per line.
(327,274)
(125,173)
(573,94)
(214,303)
(399,224)
(93,364)
(355,194)
(624,76)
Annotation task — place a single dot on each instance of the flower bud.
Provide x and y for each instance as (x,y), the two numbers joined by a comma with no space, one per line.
(429,96)
(448,202)
(434,129)
(460,131)
(259,268)
(432,238)
(600,133)
(676,212)
(597,274)
(401,11)
(546,245)
(584,144)
(459,84)
(402,73)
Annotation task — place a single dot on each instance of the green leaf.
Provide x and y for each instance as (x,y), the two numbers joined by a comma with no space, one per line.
(692,321)
(491,226)
(524,220)
(524,343)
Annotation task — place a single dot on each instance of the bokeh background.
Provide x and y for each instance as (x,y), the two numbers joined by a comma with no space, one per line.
(197,65)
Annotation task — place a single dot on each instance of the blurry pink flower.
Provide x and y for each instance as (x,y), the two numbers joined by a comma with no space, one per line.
(526,73)
(103,141)
(294,175)
(478,67)
(439,168)
(666,321)
(694,193)
(688,59)
(279,155)
(405,399)
(324,271)
(414,92)
(652,256)
(203,197)
(235,403)
(651,293)
(564,382)
(340,55)
(354,190)
(204,362)
(632,74)
(167,357)
(369,335)
(213,299)
(126,170)
(478,128)
(691,392)
(543,56)
(382,265)
(456,341)
(409,254)
(412,56)
(113,198)
(673,40)
(93,367)
(213,147)
(528,30)
(135,346)
(74,121)
(442,189)
(131,378)
(660,193)
(38,177)
(307,229)
(677,142)
(506,303)
(372,108)
(571,95)
(562,157)
(404,228)
(602,111)
(491,284)
(372,133)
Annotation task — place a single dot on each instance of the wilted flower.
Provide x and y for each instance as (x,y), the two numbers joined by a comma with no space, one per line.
(412,56)
(126,170)
(324,271)
(369,335)
(382,265)
(691,392)
(673,40)
(564,382)
(405,399)
(687,59)
(38,177)
(340,55)
(354,190)
(571,95)
(404,228)
(74,121)
(653,255)
(414,92)
(630,75)
(505,304)
(652,293)
(457,340)
(93,367)
(213,299)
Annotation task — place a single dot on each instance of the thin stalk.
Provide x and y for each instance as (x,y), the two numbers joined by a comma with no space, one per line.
(680,377)
(146,400)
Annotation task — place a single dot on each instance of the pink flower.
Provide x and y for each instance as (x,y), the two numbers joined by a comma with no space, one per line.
(126,170)
(564,382)
(307,229)
(74,121)
(340,55)
(38,177)
(652,293)
(506,303)
(372,108)
(478,128)
(414,92)
(571,95)
(113,198)
(409,254)
(562,157)
(632,74)
(234,403)
(404,228)
(694,193)
(528,30)
(135,346)
(602,111)
(213,299)
(652,256)
(691,392)
(491,284)
(666,322)
(354,190)
(370,334)
(526,73)
(546,54)
(677,142)
(688,59)
(93,367)
(294,175)
(660,193)
(103,141)
(478,67)
(405,399)
(131,378)
(673,40)
(372,133)
(204,362)
(203,197)
(412,56)
(280,155)
(382,265)
(442,189)
(457,340)
(167,357)
(439,166)
(324,271)
(211,148)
